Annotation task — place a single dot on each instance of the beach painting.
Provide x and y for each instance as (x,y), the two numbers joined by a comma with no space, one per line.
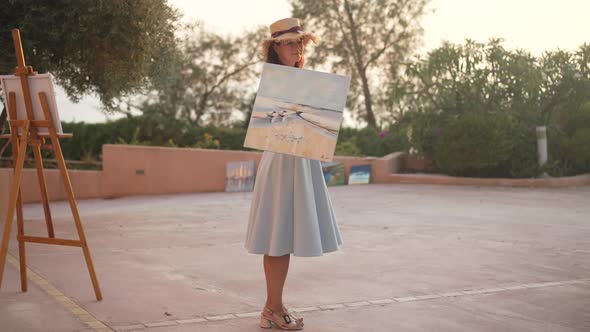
(334,173)
(360,174)
(297,112)
(240,176)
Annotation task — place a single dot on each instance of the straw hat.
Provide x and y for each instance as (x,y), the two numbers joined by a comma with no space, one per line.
(286,29)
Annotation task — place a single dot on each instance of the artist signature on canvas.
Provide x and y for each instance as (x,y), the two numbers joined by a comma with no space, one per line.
(289,138)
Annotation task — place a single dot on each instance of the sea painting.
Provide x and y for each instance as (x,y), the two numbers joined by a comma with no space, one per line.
(360,174)
(240,176)
(334,173)
(297,112)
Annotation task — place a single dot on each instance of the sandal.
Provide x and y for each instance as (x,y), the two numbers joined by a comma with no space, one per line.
(293,317)
(286,322)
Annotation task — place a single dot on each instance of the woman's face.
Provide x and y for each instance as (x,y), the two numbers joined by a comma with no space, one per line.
(289,51)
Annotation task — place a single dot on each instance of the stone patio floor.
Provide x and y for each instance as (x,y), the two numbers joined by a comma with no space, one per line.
(414,258)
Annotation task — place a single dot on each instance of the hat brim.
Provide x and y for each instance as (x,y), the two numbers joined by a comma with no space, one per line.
(305,36)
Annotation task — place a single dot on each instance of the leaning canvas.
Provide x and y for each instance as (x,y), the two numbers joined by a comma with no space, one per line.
(240,176)
(297,112)
(37,83)
(334,173)
(360,174)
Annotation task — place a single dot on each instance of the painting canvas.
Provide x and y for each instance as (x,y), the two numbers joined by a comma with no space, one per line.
(334,173)
(37,83)
(240,176)
(360,174)
(297,112)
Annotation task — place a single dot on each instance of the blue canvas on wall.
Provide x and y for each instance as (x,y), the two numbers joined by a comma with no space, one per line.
(360,174)
(334,173)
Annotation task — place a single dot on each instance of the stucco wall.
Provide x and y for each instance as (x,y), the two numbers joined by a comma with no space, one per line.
(141,170)
(86,184)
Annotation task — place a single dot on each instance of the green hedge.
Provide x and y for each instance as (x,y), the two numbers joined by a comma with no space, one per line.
(475,145)
(371,142)
(569,143)
(497,145)
(89,138)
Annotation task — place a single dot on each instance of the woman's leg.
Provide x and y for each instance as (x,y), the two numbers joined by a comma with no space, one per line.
(275,270)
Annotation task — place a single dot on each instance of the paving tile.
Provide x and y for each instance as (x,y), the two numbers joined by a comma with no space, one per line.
(78,311)
(384,301)
(535,285)
(405,299)
(86,318)
(517,287)
(451,294)
(475,291)
(357,304)
(220,317)
(248,314)
(428,297)
(304,309)
(129,327)
(332,306)
(96,325)
(160,324)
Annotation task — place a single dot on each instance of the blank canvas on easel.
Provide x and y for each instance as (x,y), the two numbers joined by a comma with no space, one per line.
(30,100)
(37,83)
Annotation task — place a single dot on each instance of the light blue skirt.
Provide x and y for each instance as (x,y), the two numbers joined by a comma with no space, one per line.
(291,211)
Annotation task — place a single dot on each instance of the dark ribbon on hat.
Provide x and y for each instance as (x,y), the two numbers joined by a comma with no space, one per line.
(293,29)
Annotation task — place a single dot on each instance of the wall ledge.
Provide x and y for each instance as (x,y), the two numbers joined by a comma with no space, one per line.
(571,181)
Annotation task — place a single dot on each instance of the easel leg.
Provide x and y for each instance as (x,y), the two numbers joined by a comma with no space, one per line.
(20,226)
(21,242)
(43,188)
(73,206)
(13,198)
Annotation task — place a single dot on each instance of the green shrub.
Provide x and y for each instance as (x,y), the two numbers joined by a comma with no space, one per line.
(371,142)
(475,145)
(569,141)
(578,150)
(425,129)
(208,142)
(523,162)
(348,148)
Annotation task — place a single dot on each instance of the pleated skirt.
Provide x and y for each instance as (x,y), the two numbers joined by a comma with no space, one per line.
(291,211)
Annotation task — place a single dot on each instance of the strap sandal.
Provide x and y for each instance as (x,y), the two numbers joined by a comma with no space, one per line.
(286,322)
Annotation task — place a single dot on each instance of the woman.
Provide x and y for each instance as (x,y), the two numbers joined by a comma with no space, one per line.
(291,211)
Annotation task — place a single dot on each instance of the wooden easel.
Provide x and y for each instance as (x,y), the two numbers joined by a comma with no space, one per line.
(30,136)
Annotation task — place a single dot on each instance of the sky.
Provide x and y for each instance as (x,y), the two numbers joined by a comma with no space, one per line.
(533,25)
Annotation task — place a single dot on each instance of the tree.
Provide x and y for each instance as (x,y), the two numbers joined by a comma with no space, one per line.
(105,47)
(478,80)
(485,77)
(365,39)
(212,76)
